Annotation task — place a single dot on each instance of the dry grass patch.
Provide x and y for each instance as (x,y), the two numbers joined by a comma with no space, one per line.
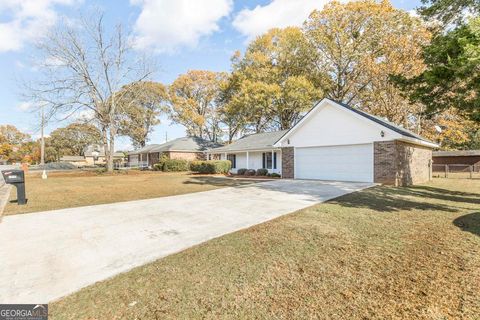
(382,253)
(82,188)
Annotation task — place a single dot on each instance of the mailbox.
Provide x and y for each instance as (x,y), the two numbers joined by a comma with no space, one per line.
(16,178)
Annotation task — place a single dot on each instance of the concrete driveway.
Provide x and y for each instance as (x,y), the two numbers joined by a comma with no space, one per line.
(47,255)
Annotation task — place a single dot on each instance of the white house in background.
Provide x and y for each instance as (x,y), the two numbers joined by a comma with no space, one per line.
(336,142)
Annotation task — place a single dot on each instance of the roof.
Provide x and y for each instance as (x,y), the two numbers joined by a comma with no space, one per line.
(457,153)
(185,144)
(144,149)
(72,158)
(258,141)
(190,143)
(383,122)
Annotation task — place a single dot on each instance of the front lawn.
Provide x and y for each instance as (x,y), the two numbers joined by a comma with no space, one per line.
(382,253)
(82,188)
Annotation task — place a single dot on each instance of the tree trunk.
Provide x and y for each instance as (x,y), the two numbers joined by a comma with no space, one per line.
(111,149)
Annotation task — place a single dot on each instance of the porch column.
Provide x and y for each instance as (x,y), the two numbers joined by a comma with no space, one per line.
(225,155)
(247,159)
(272,160)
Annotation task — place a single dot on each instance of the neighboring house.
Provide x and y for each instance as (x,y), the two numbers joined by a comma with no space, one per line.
(89,159)
(187,148)
(336,142)
(463,157)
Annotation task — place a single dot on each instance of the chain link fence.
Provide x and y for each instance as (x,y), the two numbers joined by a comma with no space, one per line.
(456,171)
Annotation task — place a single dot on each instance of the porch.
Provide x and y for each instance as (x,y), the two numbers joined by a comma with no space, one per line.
(270,159)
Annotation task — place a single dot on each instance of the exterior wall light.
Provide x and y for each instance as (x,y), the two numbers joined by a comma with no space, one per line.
(382,133)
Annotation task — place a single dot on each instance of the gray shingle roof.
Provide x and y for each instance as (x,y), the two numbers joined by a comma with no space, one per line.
(187,144)
(145,149)
(458,153)
(258,141)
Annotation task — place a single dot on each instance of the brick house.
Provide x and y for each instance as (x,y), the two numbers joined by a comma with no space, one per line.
(334,141)
(187,148)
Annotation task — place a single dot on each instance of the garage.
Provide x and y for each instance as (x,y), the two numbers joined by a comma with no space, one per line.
(342,163)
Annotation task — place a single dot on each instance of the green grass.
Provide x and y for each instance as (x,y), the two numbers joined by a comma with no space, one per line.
(82,188)
(382,253)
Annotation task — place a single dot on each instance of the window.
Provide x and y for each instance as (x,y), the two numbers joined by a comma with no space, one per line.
(267,160)
(233,159)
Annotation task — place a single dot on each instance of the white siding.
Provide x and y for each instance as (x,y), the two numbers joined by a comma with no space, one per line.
(332,125)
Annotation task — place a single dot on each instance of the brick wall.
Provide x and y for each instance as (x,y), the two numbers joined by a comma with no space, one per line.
(401,164)
(288,163)
(190,156)
(384,165)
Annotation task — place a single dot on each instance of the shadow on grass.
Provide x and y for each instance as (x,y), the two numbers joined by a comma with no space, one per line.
(469,222)
(217,181)
(387,199)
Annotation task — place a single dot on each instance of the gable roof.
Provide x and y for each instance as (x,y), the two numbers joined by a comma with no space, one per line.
(257,141)
(190,143)
(185,144)
(407,134)
(145,149)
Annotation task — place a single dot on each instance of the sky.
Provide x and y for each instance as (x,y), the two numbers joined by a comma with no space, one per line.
(182,35)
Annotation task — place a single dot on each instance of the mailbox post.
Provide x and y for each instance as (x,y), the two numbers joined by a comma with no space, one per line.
(16,178)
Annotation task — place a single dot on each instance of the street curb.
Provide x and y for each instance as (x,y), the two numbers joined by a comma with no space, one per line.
(4,196)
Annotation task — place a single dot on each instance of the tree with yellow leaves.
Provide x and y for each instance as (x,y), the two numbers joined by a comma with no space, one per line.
(193,100)
(359,45)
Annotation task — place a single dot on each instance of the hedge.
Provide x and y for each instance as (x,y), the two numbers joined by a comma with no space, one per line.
(211,166)
(250,172)
(262,172)
(171,165)
(241,171)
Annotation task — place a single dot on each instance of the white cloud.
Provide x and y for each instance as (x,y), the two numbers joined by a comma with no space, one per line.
(276,14)
(25,20)
(25,106)
(166,25)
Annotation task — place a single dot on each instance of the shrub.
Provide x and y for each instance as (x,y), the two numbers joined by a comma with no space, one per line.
(250,172)
(241,172)
(262,172)
(171,165)
(211,166)
(274,175)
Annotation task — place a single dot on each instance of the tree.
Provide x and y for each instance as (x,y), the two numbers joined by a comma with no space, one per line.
(83,67)
(272,85)
(450,130)
(142,102)
(452,76)
(11,135)
(193,103)
(73,139)
(449,11)
(358,45)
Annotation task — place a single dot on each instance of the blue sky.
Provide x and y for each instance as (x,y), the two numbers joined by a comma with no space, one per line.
(182,34)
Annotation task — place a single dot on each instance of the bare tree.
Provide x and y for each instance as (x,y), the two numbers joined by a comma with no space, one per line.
(83,67)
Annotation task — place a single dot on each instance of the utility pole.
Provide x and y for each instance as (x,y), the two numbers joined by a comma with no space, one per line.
(166,136)
(42,145)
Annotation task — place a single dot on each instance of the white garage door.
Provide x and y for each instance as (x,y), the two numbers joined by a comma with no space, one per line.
(342,163)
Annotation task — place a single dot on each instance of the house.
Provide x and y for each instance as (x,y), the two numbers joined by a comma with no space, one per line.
(187,148)
(92,155)
(334,141)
